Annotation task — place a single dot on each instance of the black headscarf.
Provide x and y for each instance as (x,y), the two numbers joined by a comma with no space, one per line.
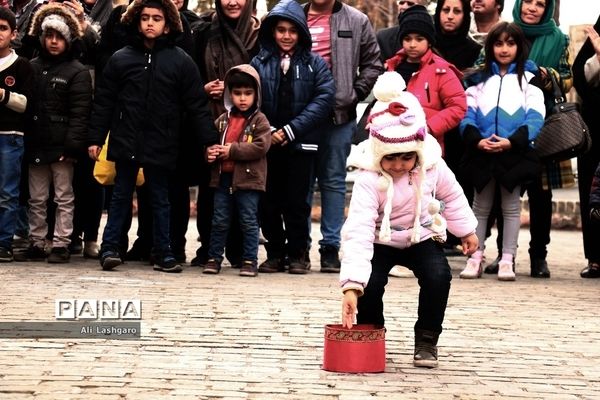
(457,48)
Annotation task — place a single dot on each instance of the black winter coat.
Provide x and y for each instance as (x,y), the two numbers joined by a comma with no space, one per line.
(143,98)
(60,110)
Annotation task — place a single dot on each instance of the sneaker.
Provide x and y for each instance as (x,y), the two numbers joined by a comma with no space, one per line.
(330,260)
(167,264)
(91,249)
(249,268)
(212,267)
(505,271)
(59,255)
(298,266)
(399,271)
(6,255)
(35,253)
(110,259)
(426,351)
(272,265)
(472,270)
(592,271)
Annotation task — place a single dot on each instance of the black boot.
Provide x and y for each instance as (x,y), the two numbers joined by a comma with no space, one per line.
(492,268)
(426,354)
(539,268)
(330,260)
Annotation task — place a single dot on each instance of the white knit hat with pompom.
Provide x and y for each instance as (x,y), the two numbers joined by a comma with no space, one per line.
(397,124)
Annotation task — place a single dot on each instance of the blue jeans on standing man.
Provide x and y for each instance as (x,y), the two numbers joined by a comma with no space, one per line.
(331,177)
(246,202)
(11,154)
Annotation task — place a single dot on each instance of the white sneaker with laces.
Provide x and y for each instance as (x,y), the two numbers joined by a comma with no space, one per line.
(505,271)
(473,269)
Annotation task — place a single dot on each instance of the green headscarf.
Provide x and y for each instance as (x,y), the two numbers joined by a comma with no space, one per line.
(548,42)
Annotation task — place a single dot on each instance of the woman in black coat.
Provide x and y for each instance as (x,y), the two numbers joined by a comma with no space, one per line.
(586,79)
(452,41)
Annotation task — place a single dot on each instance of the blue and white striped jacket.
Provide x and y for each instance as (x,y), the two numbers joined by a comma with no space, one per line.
(499,105)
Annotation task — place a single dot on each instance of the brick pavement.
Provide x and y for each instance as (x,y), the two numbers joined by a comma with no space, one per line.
(227,337)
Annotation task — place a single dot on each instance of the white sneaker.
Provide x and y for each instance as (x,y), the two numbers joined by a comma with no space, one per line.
(400,272)
(473,269)
(505,271)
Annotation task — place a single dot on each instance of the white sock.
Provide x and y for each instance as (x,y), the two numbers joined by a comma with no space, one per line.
(477,256)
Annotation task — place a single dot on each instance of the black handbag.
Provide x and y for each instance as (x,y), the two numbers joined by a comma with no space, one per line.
(564,134)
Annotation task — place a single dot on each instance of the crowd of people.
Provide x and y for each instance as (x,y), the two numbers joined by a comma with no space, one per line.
(257,114)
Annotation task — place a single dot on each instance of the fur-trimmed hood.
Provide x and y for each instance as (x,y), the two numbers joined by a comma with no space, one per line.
(63,13)
(131,16)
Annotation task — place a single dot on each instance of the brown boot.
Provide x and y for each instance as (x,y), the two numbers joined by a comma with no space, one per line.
(299,266)
(426,354)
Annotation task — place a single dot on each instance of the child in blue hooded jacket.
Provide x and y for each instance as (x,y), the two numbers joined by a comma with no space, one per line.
(298,95)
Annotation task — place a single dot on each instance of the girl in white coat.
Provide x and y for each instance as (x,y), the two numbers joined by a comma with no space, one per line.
(402,202)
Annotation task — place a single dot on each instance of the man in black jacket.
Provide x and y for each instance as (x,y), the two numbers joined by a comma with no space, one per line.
(146,90)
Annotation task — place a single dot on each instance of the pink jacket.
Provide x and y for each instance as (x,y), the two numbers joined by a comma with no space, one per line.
(360,230)
(438,87)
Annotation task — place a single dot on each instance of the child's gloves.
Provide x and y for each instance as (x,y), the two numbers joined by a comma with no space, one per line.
(595,213)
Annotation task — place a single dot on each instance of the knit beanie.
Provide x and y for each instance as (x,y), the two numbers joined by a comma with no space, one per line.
(59,24)
(416,19)
(397,124)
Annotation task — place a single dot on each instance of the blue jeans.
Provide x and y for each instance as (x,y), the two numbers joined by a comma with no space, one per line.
(430,266)
(246,202)
(331,177)
(157,180)
(11,155)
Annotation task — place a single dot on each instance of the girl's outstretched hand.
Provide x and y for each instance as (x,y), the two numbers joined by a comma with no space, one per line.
(469,244)
(349,308)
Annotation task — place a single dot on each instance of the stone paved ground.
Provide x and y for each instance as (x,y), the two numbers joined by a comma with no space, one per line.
(226,337)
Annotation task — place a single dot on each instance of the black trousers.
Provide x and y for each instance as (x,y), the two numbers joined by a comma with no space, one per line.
(586,166)
(89,200)
(540,218)
(179,199)
(284,208)
(427,261)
